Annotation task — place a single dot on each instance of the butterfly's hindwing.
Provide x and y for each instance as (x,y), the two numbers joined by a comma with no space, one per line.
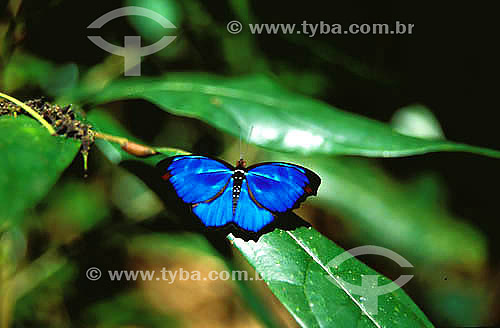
(248,214)
(216,212)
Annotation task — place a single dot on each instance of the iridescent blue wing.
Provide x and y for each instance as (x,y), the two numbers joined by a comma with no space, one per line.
(248,214)
(195,178)
(279,187)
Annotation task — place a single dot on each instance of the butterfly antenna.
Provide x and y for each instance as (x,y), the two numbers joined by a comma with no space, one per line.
(248,139)
(241,154)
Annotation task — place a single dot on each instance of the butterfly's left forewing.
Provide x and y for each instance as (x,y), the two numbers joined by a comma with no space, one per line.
(195,178)
(279,187)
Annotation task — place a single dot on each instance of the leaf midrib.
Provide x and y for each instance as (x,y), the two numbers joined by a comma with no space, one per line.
(309,252)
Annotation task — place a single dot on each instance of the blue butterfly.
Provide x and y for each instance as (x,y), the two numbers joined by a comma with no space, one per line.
(250,198)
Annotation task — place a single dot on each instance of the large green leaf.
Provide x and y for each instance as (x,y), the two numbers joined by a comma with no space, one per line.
(277,119)
(30,163)
(295,265)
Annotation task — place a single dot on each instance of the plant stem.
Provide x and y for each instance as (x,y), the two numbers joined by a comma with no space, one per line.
(130,147)
(119,140)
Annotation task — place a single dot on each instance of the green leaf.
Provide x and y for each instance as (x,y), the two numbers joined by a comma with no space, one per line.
(278,119)
(31,162)
(295,266)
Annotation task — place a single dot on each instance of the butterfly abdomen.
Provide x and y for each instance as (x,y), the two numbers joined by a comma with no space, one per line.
(238,177)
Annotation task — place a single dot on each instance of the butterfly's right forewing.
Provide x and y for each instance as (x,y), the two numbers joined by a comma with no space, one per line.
(280,187)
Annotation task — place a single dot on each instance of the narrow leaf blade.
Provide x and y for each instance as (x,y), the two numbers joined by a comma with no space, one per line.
(278,119)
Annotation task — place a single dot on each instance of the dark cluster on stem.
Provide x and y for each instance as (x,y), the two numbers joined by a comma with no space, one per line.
(62,119)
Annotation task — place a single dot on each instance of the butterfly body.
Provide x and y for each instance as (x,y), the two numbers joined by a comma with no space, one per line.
(250,198)
(237,177)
